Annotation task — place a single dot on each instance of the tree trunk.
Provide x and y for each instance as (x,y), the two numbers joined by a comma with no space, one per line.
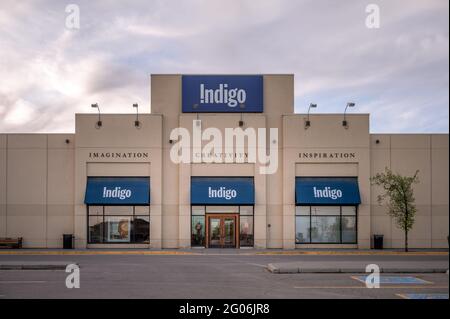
(406,241)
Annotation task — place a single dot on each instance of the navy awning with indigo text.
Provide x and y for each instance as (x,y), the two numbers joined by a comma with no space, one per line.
(117,191)
(222,191)
(327,191)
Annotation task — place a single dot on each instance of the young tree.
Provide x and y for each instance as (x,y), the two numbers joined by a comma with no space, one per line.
(399,194)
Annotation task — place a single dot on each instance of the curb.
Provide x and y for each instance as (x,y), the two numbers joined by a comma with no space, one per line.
(261,253)
(36,266)
(296,270)
(203,253)
(362,253)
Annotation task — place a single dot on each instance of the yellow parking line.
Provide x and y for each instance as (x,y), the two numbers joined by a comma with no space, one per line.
(113,252)
(257,253)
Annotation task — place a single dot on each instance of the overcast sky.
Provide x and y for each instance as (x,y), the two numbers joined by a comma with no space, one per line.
(399,73)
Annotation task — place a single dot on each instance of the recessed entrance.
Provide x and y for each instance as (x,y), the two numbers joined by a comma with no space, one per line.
(222,231)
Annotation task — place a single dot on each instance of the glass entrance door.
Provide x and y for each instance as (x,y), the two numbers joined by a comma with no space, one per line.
(222,231)
(215,233)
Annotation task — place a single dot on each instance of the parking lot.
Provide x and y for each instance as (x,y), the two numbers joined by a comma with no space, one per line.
(212,276)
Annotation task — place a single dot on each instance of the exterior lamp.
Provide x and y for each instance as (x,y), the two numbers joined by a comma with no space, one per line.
(198,122)
(137,124)
(99,122)
(308,122)
(241,121)
(344,122)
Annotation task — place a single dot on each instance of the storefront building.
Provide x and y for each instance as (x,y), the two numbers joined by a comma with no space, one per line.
(117,185)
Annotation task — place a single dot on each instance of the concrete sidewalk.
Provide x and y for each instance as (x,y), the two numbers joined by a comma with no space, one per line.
(358,267)
(212,251)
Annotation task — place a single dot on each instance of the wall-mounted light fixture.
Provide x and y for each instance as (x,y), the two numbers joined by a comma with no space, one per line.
(99,121)
(197,121)
(241,121)
(308,122)
(344,122)
(137,124)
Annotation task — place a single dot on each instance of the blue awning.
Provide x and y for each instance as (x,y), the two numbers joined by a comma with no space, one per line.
(117,191)
(222,191)
(327,191)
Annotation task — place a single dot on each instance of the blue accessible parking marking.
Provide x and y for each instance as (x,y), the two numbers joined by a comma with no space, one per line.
(395,280)
(423,296)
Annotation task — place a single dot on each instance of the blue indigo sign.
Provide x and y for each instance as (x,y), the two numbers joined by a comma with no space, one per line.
(222,93)
(327,191)
(117,191)
(222,191)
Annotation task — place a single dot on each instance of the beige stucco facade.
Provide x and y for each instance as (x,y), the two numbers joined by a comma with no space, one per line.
(37,188)
(43,176)
(326,135)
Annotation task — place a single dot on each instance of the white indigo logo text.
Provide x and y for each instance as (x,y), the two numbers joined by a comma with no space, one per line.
(222,192)
(117,192)
(327,192)
(222,95)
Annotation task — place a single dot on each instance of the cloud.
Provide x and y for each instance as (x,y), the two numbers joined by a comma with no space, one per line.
(398,73)
(20,113)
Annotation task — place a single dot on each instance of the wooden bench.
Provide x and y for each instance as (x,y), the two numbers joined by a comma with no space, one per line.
(11,242)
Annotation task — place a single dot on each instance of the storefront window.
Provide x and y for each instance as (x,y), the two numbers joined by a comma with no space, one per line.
(118,229)
(96,229)
(302,233)
(246,210)
(142,210)
(119,224)
(326,225)
(325,210)
(348,210)
(302,210)
(246,231)
(348,229)
(119,210)
(198,210)
(325,229)
(198,231)
(222,209)
(141,229)
(95,210)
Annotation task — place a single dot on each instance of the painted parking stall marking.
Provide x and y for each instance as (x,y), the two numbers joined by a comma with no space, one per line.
(396,287)
(396,280)
(423,296)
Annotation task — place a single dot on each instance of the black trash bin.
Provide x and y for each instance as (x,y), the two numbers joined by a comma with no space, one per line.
(67,241)
(377,241)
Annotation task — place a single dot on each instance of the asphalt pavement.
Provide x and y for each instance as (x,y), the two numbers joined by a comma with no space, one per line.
(229,276)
